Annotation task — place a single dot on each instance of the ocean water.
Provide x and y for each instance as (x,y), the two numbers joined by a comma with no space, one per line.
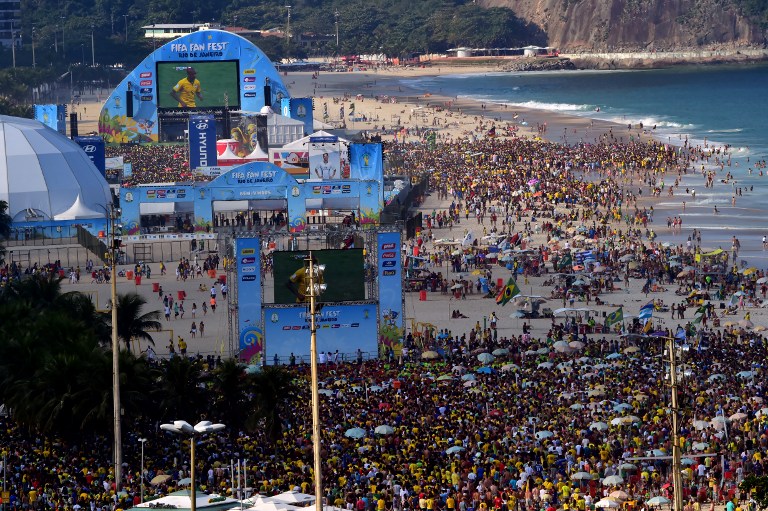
(709,106)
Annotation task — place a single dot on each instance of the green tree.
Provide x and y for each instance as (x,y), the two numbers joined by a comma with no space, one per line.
(230,385)
(132,322)
(274,391)
(757,488)
(179,389)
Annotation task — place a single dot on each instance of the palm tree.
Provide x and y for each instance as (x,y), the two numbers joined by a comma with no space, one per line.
(179,392)
(131,323)
(274,392)
(230,386)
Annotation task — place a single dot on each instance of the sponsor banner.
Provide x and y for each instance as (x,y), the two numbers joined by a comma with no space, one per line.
(388,246)
(299,109)
(53,116)
(94,148)
(210,171)
(202,141)
(251,334)
(339,327)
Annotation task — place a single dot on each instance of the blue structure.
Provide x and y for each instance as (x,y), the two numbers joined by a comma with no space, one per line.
(233,73)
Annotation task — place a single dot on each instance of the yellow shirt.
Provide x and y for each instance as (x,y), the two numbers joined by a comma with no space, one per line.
(187,91)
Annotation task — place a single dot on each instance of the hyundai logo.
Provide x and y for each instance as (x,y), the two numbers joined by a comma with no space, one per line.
(89,148)
(202,125)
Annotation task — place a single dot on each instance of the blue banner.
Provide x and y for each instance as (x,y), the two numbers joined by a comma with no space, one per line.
(299,109)
(388,246)
(94,148)
(47,114)
(248,260)
(345,328)
(366,162)
(202,141)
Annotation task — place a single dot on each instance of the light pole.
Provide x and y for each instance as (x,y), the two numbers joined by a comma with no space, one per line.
(288,31)
(63,31)
(93,49)
(113,215)
(82,51)
(125,17)
(143,441)
(34,63)
(186,429)
(13,49)
(313,291)
(336,15)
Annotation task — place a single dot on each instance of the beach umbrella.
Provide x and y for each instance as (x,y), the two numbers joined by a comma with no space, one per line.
(699,446)
(745,374)
(683,274)
(475,390)
(656,453)
(582,476)
(499,352)
(325,392)
(517,314)
(613,480)
(746,323)
(430,355)
(185,481)
(445,377)
(759,328)
(717,376)
(762,280)
(756,399)
(607,504)
(470,383)
(457,286)
(485,358)
(355,433)
(564,365)
(627,258)
(613,356)
(675,264)
(630,350)
(657,501)
(542,351)
(454,450)
(576,406)
(700,424)
(629,419)
(560,346)
(384,430)
(458,369)
(762,411)
(595,393)
(375,388)
(541,435)
(627,466)
(750,271)
(738,416)
(598,426)
(468,377)
(577,345)
(619,495)
(484,370)
(687,462)
(545,365)
(509,367)
(160,479)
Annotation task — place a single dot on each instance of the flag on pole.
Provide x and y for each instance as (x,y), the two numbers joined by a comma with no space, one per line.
(646,311)
(680,335)
(614,317)
(507,292)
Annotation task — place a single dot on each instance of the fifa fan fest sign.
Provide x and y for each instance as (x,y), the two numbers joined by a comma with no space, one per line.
(209,72)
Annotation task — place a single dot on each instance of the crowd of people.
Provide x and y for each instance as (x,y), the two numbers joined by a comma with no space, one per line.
(152,163)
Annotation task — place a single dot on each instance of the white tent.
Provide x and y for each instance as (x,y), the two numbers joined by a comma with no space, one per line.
(46,176)
(302,144)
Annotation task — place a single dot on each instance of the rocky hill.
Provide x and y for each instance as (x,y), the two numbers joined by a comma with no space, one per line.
(638,25)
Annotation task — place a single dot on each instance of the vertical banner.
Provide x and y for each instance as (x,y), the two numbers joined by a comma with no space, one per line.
(366,162)
(388,245)
(262,135)
(94,148)
(300,109)
(61,119)
(202,141)
(324,159)
(53,116)
(251,338)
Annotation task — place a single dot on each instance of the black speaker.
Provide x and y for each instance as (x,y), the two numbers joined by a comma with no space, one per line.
(129,103)
(267,95)
(262,137)
(73,125)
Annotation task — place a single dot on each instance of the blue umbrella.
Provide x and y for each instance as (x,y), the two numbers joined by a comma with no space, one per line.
(485,358)
(355,433)
(485,370)
(455,449)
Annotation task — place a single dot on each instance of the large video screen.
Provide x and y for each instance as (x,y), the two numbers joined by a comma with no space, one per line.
(219,83)
(344,275)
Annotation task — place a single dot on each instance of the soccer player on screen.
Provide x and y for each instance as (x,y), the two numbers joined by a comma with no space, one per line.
(185,91)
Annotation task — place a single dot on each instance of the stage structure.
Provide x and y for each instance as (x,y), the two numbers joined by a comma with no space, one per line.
(154,102)
(263,186)
(362,307)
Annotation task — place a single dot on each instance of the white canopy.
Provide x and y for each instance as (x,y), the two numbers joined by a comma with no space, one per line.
(44,175)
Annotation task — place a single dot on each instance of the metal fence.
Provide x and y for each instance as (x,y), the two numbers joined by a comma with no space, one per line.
(34,236)
(69,256)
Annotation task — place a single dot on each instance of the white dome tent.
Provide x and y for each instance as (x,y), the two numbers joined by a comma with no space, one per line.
(45,177)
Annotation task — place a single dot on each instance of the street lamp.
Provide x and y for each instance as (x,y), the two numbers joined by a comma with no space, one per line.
(34,62)
(63,31)
(336,15)
(186,429)
(288,31)
(13,48)
(313,291)
(93,49)
(143,441)
(125,17)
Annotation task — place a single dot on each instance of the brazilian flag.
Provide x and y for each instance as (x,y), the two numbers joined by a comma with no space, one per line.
(508,292)
(614,317)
